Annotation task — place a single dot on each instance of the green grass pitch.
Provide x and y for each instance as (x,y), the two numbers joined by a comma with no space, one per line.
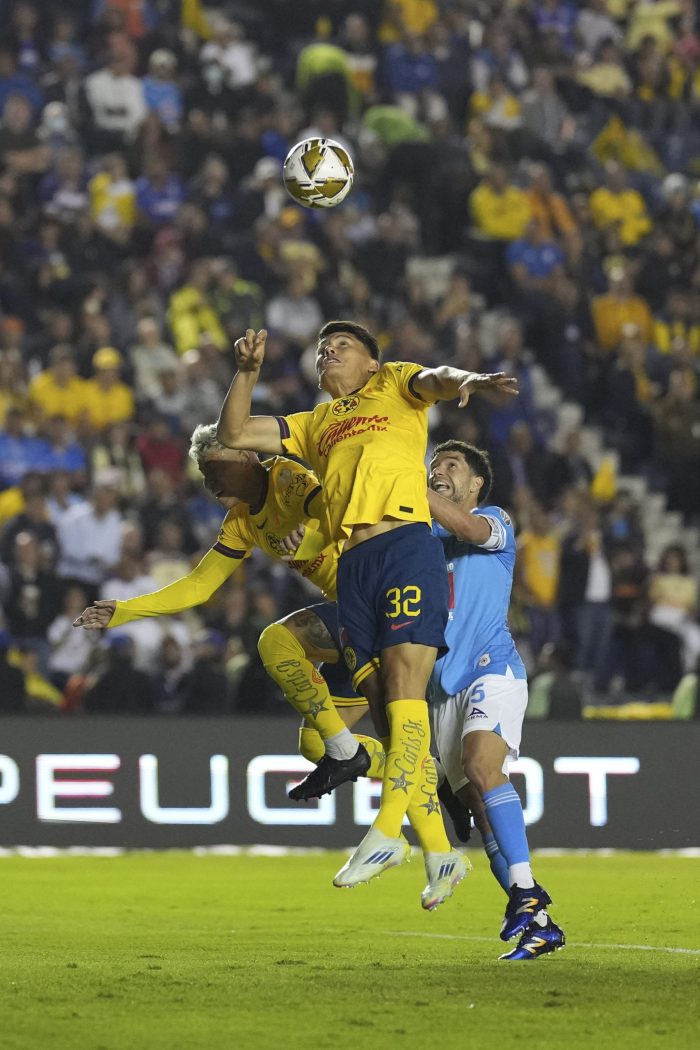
(177,951)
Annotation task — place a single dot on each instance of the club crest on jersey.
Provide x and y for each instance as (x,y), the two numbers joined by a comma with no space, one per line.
(344,405)
(350,658)
(505,516)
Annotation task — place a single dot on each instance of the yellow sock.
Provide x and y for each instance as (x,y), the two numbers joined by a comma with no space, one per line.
(285,661)
(424,811)
(311,747)
(409,744)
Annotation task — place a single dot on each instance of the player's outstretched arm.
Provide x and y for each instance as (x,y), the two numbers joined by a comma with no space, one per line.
(446,383)
(236,427)
(465,526)
(194,589)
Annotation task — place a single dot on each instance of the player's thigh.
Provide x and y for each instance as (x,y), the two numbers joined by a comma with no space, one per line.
(351,715)
(313,628)
(406,670)
(493,717)
(372,688)
(447,726)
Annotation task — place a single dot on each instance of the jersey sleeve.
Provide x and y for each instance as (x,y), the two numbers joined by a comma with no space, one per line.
(502,531)
(232,541)
(194,589)
(403,373)
(295,433)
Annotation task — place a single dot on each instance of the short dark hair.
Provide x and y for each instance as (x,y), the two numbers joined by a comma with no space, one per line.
(352,328)
(477,460)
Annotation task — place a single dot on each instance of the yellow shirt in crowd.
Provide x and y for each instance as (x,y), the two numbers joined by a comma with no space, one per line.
(502,216)
(105,407)
(54,400)
(626,209)
(539,566)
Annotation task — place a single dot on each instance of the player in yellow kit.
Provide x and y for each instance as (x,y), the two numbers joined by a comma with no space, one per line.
(367,446)
(271,499)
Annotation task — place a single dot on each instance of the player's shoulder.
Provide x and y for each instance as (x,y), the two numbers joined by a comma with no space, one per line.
(282,468)
(398,369)
(491,510)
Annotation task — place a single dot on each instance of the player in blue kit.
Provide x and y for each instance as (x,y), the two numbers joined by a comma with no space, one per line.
(479,688)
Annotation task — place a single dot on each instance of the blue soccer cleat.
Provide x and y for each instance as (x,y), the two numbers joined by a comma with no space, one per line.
(537,940)
(522,907)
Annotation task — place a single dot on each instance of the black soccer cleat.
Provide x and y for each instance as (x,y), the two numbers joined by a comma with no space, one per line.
(458,813)
(330,773)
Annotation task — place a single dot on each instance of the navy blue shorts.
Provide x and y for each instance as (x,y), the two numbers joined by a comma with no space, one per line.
(391,589)
(338,677)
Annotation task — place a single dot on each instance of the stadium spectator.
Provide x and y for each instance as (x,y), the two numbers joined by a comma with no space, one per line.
(585,593)
(616,205)
(58,391)
(107,399)
(619,307)
(12,689)
(161,90)
(115,98)
(70,649)
(89,535)
(673,593)
(500,209)
(34,597)
(204,690)
(537,580)
(121,689)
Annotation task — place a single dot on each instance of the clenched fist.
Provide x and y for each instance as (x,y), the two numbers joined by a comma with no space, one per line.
(96,616)
(250,350)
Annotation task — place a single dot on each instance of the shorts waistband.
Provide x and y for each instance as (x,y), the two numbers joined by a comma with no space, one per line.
(386,539)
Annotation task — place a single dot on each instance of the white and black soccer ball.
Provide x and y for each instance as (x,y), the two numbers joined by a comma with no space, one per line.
(318,173)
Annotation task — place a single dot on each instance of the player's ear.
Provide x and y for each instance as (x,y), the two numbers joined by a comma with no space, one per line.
(373,365)
(477,484)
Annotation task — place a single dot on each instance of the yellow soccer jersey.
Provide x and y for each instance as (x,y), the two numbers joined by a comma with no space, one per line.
(368,449)
(290,491)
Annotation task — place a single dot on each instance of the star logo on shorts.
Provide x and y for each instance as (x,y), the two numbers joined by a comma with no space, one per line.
(401,783)
(431,806)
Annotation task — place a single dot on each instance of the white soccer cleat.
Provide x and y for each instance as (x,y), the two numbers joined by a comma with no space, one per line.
(375,854)
(444,871)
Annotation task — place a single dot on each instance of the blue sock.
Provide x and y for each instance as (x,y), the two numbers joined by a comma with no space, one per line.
(504,813)
(497,862)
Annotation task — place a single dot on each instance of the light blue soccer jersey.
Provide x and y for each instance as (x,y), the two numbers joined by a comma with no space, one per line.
(477,631)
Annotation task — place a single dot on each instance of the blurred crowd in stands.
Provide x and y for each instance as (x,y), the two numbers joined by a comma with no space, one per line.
(527,198)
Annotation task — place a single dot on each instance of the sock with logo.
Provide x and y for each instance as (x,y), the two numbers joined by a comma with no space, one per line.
(285,661)
(505,815)
(497,861)
(311,746)
(409,743)
(424,812)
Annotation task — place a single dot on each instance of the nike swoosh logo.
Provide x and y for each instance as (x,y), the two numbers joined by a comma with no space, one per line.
(262,526)
(398,626)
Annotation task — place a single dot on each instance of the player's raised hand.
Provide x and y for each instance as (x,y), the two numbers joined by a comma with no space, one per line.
(488,383)
(249,350)
(97,616)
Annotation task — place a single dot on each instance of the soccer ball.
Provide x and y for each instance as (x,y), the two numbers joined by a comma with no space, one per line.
(318,173)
